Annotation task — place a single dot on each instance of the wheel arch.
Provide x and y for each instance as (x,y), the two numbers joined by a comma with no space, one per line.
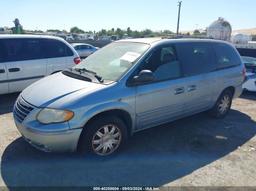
(124,115)
(231,89)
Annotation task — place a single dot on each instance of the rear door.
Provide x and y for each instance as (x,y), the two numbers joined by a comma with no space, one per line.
(198,63)
(3,71)
(229,69)
(59,55)
(25,63)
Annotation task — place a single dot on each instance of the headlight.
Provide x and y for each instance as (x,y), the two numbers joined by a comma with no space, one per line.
(47,116)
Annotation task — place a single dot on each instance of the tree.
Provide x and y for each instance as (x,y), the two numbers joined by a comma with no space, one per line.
(196,32)
(76,30)
(129,31)
(103,32)
(135,34)
(119,33)
(147,33)
(54,30)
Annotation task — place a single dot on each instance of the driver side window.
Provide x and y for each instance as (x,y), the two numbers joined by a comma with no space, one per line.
(164,64)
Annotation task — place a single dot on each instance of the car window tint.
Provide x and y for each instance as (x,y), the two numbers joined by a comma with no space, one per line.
(226,56)
(196,58)
(33,49)
(55,48)
(69,52)
(77,47)
(85,47)
(164,64)
(22,49)
(247,52)
(3,52)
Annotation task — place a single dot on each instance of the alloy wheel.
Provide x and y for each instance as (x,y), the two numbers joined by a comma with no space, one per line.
(224,104)
(106,140)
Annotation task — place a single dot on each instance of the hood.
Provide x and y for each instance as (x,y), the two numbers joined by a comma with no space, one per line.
(54,87)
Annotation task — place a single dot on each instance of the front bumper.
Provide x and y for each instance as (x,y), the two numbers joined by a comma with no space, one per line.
(57,141)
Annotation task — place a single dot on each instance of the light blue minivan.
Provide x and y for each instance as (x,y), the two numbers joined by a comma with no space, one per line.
(125,87)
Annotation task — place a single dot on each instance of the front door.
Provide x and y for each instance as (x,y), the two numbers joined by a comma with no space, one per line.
(162,100)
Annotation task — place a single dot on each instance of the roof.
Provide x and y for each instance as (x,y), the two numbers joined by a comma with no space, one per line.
(77,44)
(5,36)
(153,41)
(142,40)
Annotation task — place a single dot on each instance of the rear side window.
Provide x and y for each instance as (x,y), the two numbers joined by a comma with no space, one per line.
(20,49)
(85,47)
(226,56)
(55,48)
(196,58)
(78,47)
(247,52)
(3,52)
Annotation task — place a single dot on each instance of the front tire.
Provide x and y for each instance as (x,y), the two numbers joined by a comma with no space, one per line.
(104,136)
(223,105)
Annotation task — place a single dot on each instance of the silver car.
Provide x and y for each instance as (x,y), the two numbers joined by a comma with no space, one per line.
(84,50)
(126,87)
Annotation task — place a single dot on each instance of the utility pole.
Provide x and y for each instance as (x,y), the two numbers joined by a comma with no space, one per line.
(178,24)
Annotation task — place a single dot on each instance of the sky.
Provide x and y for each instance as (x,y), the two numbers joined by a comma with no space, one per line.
(137,14)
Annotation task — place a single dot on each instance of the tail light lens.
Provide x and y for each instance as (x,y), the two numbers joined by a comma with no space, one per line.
(77,60)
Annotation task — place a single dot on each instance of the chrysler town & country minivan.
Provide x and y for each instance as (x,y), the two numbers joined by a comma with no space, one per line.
(126,87)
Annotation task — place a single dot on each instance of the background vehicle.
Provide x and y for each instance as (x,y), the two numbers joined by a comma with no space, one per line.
(250,64)
(84,50)
(26,58)
(126,87)
(69,37)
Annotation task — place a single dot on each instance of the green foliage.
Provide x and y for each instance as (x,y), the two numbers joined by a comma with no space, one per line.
(196,32)
(121,33)
(76,30)
(133,33)
(54,30)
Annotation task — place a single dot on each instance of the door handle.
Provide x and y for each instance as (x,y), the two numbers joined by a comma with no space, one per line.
(191,88)
(14,70)
(179,91)
(2,71)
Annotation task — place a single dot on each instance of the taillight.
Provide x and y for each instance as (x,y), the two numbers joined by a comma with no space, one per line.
(77,60)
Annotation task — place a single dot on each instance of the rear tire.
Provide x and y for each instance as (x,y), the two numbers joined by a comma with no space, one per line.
(103,137)
(223,105)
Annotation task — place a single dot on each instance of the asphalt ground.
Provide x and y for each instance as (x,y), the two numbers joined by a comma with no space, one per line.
(195,151)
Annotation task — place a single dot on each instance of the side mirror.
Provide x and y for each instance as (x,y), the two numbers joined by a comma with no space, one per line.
(145,76)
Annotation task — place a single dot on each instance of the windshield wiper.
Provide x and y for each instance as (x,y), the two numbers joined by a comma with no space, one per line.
(84,70)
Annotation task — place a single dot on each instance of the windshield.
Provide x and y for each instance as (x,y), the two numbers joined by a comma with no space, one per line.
(249,61)
(112,61)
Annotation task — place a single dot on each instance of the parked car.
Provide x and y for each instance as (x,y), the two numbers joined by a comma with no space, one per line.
(126,87)
(69,37)
(84,50)
(250,64)
(26,58)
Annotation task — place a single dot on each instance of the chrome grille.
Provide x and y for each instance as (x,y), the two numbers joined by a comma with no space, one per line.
(21,109)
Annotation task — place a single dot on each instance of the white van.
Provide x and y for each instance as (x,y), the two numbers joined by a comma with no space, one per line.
(25,59)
